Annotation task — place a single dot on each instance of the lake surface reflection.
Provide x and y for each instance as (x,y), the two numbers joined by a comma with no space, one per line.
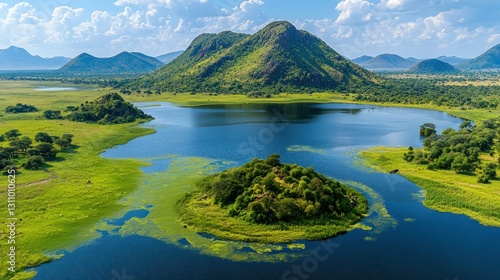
(424,244)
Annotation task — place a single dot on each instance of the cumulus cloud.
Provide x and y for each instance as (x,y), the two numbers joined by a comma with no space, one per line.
(353,11)
(406,26)
(355,27)
(154,27)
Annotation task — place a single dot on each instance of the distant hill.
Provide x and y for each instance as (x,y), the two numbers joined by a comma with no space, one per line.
(453,60)
(166,58)
(414,60)
(488,60)
(433,66)
(362,59)
(14,58)
(277,58)
(122,63)
(388,62)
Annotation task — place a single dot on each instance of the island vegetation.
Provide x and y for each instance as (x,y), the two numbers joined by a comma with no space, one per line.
(62,199)
(267,201)
(456,168)
(458,150)
(107,109)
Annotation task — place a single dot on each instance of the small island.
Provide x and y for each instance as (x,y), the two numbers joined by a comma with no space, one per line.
(270,202)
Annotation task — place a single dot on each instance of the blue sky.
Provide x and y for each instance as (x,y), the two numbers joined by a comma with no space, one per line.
(417,28)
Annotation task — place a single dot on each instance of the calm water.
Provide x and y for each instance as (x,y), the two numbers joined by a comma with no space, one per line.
(55,88)
(433,246)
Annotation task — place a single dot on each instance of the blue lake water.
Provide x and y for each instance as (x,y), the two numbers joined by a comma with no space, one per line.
(433,246)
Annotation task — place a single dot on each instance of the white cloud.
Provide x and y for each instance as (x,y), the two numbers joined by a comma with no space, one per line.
(494,39)
(60,27)
(159,26)
(393,4)
(353,11)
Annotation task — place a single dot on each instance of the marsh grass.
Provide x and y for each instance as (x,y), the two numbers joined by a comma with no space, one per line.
(445,191)
(57,207)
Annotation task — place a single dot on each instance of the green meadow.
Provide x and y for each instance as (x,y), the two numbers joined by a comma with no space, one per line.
(445,190)
(59,207)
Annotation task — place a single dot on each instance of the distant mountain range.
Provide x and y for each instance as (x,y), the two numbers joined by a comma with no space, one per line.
(166,58)
(275,59)
(385,62)
(453,60)
(14,58)
(433,66)
(488,60)
(396,62)
(122,63)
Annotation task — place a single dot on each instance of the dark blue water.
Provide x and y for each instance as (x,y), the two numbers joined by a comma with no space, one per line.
(434,246)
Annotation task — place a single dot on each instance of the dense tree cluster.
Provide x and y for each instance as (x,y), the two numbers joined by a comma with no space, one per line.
(20,108)
(22,147)
(459,150)
(428,91)
(108,109)
(266,191)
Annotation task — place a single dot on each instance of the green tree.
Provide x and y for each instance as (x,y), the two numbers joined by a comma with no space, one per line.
(274,160)
(22,144)
(410,155)
(270,183)
(63,142)
(46,150)
(34,163)
(467,125)
(461,164)
(427,129)
(43,137)
(52,114)
(12,134)
(490,171)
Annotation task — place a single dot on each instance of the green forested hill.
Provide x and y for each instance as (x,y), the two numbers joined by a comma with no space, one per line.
(433,66)
(488,60)
(122,63)
(277,58)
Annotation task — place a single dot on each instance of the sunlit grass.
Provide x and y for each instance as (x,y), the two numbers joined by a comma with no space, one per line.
(445,190)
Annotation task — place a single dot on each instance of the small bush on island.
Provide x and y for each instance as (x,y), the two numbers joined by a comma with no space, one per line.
(267,192)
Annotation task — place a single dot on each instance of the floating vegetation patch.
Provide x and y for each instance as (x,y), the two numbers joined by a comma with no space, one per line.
(161,190)
(303,148)
(378,219)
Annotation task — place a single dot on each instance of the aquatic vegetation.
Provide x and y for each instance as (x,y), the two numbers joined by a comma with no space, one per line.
(445,190)
(267,201)
(305,148)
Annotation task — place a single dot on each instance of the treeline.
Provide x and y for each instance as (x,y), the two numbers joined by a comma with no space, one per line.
(20,149)
(422,91)
(459,150)
(266,191)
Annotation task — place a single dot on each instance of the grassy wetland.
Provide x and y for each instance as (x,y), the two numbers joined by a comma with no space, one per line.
(60,206)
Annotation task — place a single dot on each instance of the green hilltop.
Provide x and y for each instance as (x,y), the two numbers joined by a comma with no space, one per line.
(488,60)
(278,58)
(433,66)
(122,63)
